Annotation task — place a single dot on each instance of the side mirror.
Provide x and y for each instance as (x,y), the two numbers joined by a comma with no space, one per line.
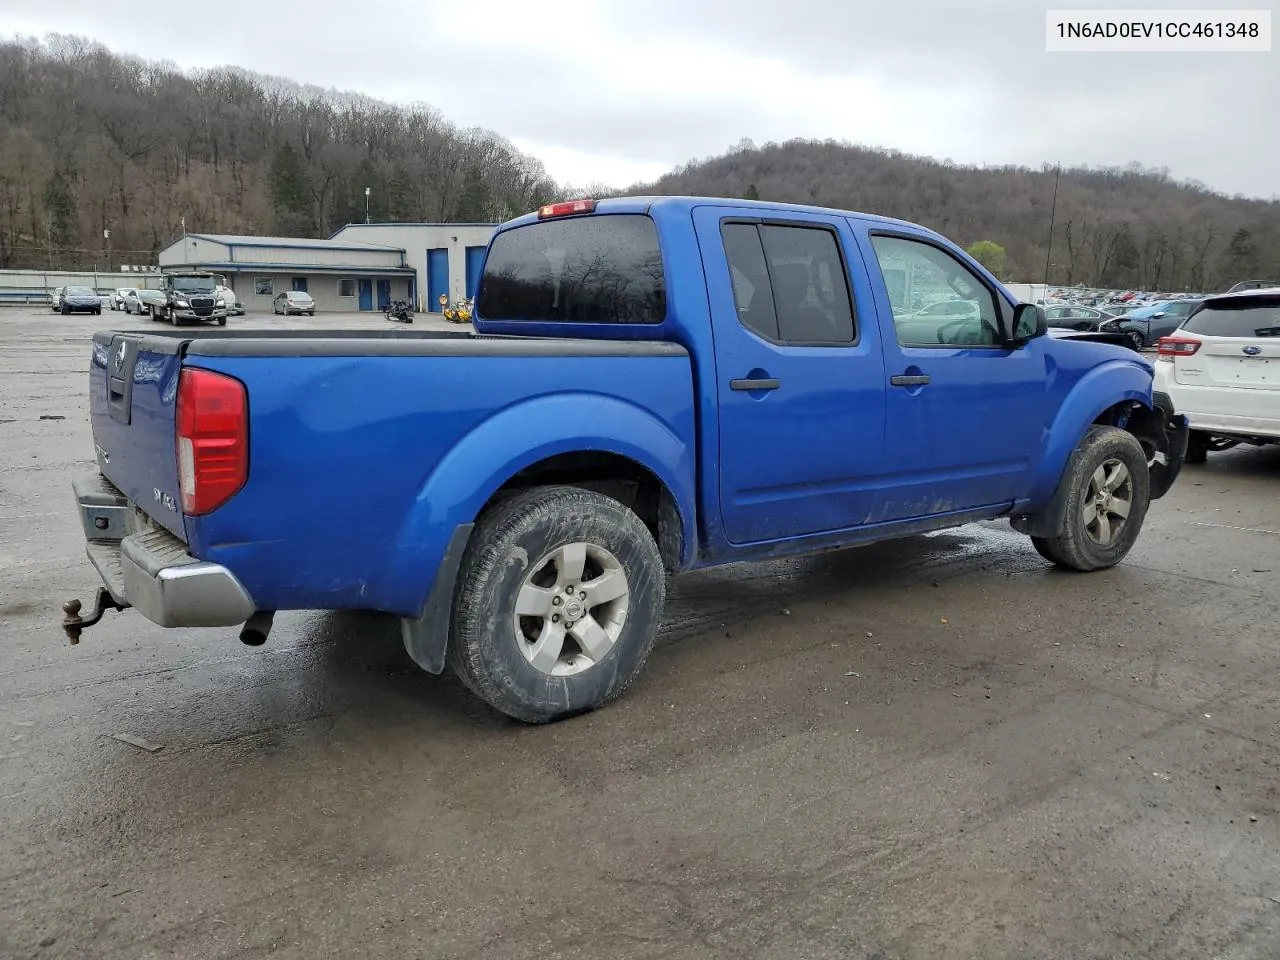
(1029,322)
(1157,316)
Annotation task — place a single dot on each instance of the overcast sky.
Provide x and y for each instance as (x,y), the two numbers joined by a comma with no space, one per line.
(620,92)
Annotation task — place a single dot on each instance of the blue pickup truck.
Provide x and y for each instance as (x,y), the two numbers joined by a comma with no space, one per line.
(655,385)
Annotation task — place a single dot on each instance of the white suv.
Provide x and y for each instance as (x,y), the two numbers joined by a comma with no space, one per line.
(1222,369)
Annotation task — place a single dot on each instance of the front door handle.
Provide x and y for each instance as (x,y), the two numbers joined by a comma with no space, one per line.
(909,380)
(766,384)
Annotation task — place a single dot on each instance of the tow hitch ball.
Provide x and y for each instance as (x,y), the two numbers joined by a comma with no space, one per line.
(73,623)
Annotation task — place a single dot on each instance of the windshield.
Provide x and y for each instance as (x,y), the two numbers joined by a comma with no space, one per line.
(1246,318)
(1143,313)
(193,284)
(299,295)
(80,292)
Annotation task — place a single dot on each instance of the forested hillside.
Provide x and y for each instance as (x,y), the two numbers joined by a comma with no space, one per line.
(93,141)
(1114,228)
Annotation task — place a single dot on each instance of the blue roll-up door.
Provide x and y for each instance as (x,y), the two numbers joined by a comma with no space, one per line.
(366,294)
(475,262)
(299,284)
(384,294)
(437,277)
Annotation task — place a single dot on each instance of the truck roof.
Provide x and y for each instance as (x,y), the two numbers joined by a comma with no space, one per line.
(650,204)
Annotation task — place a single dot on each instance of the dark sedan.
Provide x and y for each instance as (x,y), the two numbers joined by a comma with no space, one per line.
(1074,317)
(1148,324)
(76,300)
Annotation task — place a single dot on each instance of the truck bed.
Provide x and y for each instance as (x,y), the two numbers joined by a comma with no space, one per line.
(365,445)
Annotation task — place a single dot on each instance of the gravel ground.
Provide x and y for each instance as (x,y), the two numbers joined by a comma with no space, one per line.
(935,748)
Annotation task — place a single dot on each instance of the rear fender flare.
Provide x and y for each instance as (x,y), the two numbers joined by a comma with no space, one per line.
(511,440)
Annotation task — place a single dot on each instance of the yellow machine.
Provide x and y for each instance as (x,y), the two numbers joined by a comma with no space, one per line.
(460,312)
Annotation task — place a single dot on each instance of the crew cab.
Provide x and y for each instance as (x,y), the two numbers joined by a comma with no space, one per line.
(655,385)
(1222,369)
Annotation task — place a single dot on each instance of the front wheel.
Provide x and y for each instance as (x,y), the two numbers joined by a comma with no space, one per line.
(559,600)
(1108,491)
(1136,339)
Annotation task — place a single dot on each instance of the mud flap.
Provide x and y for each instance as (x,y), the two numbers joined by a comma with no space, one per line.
(426,638)
(1176,432)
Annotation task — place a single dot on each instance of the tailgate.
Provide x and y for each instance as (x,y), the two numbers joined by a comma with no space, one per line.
(1251,364)
(133,388)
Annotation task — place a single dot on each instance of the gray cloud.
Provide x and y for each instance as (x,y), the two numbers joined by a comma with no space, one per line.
(671,80)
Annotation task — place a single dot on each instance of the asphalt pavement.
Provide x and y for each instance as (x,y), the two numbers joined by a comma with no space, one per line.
(933,748)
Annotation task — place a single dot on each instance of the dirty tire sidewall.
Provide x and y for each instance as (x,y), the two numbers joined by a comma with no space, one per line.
(520,531)
(1073,546)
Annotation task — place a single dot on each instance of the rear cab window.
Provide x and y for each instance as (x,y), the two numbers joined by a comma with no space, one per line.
(599,268)
(1244,318)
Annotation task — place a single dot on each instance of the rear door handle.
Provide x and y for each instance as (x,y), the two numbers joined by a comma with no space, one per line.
(769,384)
(909,380)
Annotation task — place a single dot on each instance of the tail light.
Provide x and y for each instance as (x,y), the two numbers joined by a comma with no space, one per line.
(1176,346)
(213,440)
(568,208)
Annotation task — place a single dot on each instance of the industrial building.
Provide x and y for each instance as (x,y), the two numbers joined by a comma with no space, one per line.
(361,267)
(445,256)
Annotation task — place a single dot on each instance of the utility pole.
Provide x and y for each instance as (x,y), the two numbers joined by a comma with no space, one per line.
(1057,172)
(106,235)
(367,191)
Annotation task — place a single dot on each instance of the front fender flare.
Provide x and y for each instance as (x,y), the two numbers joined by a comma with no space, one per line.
(1097,391)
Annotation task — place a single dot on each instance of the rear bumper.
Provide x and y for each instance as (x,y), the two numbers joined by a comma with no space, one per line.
(149,569)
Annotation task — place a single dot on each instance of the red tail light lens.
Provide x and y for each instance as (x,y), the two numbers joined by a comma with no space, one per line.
(568,208)
(1176,346)
(213,440)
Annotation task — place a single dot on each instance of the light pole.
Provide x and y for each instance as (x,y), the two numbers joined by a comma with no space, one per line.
(106,235)
(367,191)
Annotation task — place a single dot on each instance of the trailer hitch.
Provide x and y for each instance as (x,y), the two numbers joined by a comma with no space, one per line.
(73,623)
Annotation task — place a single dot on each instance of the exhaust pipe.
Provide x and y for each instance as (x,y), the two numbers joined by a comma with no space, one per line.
(255,630)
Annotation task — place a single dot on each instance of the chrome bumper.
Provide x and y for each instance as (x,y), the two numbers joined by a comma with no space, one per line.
(149,569)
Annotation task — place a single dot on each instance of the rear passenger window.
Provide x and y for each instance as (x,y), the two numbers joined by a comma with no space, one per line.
(789,283)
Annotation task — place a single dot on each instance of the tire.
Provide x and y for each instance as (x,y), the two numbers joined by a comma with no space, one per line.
(222,321)
(1137,340)
(1087,544)
(98,312)
(1045,548)
(1197,447)
(519,546)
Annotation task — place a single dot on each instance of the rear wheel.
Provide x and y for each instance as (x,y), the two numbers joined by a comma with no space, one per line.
(1108,491)
(558,603)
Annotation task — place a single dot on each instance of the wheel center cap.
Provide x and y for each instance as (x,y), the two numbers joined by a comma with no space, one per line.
(573,609)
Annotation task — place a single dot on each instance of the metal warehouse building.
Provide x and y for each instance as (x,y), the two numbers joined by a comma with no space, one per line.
(446,256)
(361,267)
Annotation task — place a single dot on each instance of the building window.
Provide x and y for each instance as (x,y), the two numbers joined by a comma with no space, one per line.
(264,286)
(346,288)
